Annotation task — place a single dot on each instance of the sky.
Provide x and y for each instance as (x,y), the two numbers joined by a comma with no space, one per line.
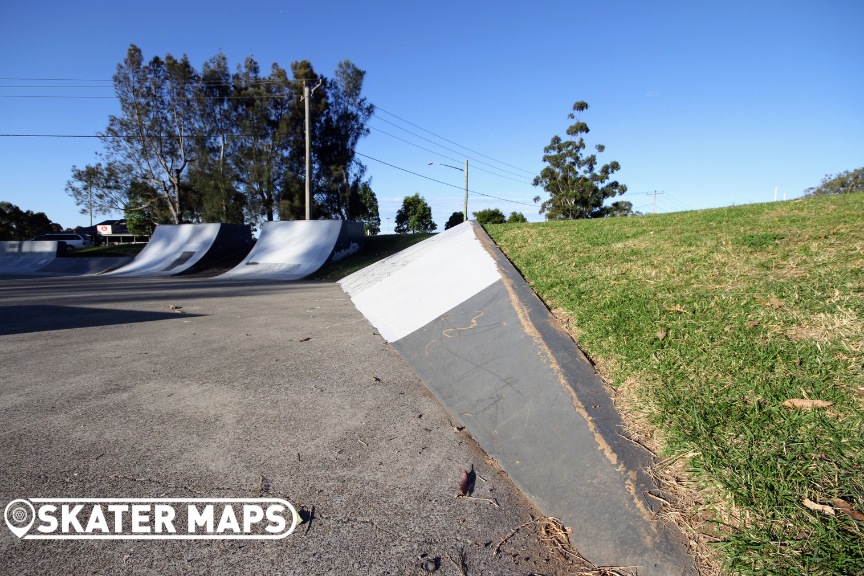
(708,104)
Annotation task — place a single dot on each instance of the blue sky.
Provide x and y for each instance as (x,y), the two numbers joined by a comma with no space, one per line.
(712,103)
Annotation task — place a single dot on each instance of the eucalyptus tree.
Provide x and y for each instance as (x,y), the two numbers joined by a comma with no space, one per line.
(344,122)
(150,140)
(575,185)
(212,175)
(97,189)
(262,123)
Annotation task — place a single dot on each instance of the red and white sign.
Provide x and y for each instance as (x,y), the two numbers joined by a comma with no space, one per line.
(104,229)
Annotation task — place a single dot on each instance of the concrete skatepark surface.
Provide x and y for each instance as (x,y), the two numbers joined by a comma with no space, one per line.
(292,250)
(105,391)
(177,248)
(464,319)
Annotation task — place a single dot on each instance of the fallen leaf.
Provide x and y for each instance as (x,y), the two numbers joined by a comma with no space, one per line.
(661,335)
(304,339)
(848,509)
(464,483)
(806,404)
(775,303)
(818,507)
(376,379)
(752,323)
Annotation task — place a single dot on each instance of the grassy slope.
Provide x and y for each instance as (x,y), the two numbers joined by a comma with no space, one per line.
(758,304)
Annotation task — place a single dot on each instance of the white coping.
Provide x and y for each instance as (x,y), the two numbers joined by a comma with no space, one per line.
(168,242)
(289,250)
(406,291)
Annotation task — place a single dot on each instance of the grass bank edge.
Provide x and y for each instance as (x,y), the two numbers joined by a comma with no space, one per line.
(714,318)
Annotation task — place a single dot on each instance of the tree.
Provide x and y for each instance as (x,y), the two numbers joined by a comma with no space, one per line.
(576,188)
(216,146)
(516,218)
(264,118)
(340,175)
(17,224)
(489,216)
(842,183)
(212,176)
(415,215)
(619,209)
(455,219)
(368,213)
(150,139)
(97,189)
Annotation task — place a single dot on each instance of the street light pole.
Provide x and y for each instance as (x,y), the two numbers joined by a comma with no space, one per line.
(466,191)
(465,170)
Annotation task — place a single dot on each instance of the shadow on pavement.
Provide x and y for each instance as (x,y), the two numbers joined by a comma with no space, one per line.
(44,317)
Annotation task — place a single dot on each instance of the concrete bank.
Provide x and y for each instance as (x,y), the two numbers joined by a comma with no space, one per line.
(465,320)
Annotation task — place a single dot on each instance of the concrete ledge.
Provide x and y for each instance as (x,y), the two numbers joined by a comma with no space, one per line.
(498,361)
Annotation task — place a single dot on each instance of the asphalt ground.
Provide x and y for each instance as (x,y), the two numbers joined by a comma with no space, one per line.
(242,390)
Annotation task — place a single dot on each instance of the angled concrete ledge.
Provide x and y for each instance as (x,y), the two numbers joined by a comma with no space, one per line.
(490,351)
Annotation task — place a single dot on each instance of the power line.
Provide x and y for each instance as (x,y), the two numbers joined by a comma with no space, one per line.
(357,153)
(452,142)
(55,97)
(444,183)
(445,156)
(446,148)
(21,79)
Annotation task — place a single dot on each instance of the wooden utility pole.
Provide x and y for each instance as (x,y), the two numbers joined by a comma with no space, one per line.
(307,94)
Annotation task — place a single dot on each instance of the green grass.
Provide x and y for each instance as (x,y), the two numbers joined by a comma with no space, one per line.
(759,304)
(375,248)
(113,250)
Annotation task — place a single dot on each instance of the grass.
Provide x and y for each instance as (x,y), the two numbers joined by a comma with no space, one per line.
(374,248)
(707,322)
(109,251)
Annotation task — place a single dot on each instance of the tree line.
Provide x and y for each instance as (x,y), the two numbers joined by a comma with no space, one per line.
(221,146)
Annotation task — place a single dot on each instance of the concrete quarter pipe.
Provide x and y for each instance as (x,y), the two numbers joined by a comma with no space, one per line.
(472,329)
(292,250)
(177,248)
(26,257)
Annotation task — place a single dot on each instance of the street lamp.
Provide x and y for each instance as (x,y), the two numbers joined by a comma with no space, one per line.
(465,170)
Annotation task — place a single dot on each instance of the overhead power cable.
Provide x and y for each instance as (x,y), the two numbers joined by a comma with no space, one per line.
(452,142)
(445,156)
(446,148)
(357,153)
(444,183)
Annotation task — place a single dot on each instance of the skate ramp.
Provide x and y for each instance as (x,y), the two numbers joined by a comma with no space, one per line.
(24,257)
(469,325)
(292,250)
(79,266)
(180,248)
